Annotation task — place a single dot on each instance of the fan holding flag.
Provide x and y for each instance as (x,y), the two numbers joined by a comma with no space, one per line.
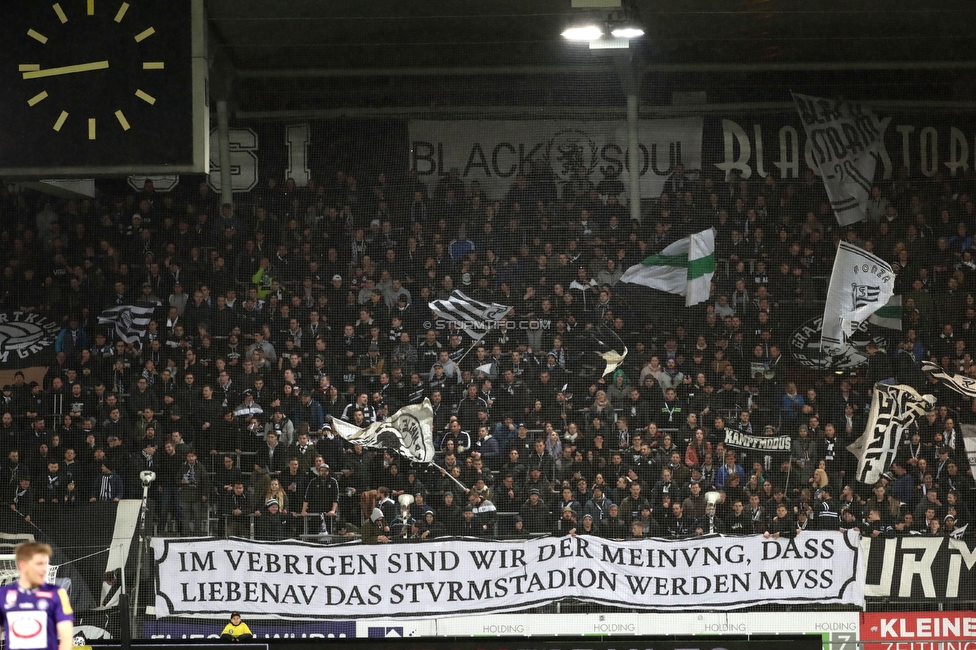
(129,322)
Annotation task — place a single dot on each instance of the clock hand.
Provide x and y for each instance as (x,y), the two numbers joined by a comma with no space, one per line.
(68,69)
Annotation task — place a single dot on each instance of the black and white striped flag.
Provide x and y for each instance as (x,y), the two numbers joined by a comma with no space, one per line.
(409,432)
(474,317)
(960,383)
(131,321)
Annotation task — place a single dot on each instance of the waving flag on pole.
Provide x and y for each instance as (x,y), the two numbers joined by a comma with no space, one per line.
(893,409)
(846,138)
(960,383)
(130,321)
(685,267)
(860,285)
(474,317)
(408,432)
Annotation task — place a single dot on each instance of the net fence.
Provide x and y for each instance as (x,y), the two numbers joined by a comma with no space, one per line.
(357,200)
(9,572)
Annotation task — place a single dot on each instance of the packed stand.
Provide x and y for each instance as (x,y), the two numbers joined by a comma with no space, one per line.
(303,305)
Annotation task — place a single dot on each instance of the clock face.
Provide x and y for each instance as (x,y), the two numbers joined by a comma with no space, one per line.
(96,84)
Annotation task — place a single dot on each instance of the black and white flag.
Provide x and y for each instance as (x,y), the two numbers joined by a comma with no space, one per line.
(130,321)
(893,409)
(846,139)
(959,383)
(409,431)
(860,284)
(473,317)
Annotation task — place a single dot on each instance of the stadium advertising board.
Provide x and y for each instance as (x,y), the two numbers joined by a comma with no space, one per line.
(920,568)
(837,628)
(261,630)
(296,580)
(549,642)
(918,630)
(684,642)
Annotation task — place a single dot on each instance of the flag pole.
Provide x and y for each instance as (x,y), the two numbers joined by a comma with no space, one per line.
(444,472)
(474,343)
(466,353)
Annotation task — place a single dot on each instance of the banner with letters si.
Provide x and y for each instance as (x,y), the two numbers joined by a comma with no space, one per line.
(493,152)
(920,568)
(464,576)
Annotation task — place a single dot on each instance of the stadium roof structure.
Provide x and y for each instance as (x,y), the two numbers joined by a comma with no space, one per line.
(393,53)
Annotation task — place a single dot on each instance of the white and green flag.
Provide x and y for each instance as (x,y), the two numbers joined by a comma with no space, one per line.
(685,267)
(888,316)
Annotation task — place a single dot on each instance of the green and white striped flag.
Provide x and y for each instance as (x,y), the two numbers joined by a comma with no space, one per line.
(888,316)
(685,268)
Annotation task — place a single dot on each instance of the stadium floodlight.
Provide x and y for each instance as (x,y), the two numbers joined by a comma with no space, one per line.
(583,33)
(627,32)
(610,43)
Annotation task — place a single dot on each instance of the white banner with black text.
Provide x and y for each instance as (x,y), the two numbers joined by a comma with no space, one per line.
(465,576)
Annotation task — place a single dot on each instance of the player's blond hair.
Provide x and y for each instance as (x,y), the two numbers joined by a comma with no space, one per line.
(25,551)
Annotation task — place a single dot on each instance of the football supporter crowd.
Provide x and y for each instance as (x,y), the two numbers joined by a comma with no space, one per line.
(296,306)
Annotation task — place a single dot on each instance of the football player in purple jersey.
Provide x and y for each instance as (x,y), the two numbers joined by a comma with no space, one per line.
(35,614)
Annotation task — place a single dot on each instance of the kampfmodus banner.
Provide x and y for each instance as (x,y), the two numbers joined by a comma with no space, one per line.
(466,576)
(493,152)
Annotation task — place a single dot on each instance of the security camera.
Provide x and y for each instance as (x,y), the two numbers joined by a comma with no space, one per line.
(147,477)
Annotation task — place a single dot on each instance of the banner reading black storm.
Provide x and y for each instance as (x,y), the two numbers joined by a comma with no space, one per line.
(305,581)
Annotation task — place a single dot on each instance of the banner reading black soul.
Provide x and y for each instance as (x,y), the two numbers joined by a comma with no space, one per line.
(920,569)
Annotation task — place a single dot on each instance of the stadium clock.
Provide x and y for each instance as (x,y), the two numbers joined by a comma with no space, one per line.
(102,87)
